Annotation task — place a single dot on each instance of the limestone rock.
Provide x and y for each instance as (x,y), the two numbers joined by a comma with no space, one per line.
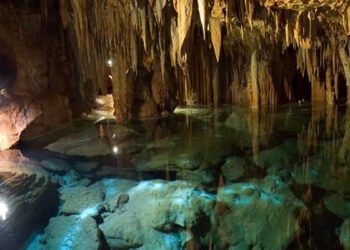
(14,118)
(71,232)
(80,199)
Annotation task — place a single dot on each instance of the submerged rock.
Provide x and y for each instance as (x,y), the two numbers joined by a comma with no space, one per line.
(282,156)
(344,236)
(80,199)
(233,168)
(193,159)
(86,167)
(178,215)
(337,205)
(258,215)
(159,215)
(322,171)
(56,165)
(70,232)
(84,143)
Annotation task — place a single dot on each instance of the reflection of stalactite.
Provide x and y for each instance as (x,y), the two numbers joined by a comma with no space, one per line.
(254,132)
(308,138)
(344,150)
(261,126)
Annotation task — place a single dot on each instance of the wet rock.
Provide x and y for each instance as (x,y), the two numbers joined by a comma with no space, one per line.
(56,165)
(344,236)
(77,200)
(176,212)
(337,205)
(71,232)
(30,196)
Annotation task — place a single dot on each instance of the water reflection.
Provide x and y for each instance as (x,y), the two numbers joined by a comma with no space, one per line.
(230,178)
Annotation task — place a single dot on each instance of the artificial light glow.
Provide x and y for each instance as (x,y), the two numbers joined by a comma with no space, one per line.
(110,63)
(115,149)
(3,210)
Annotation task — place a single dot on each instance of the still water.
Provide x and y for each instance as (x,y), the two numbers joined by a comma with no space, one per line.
(228,178)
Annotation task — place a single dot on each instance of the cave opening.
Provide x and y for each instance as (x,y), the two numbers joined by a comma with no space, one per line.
(301,87)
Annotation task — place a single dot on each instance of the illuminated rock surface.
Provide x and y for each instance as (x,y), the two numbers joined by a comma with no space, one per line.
(14,118)
(70,232)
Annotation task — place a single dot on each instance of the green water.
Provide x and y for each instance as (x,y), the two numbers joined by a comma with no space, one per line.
(228,178)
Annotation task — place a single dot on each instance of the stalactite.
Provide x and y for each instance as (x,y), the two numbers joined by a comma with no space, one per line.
(202,8)
(346,20)
(157,31)
(185,8)
(215,28)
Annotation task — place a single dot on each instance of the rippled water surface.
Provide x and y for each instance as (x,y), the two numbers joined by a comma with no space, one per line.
(229,178)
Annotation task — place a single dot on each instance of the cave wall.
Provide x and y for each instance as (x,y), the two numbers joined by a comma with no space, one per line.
(34,75)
